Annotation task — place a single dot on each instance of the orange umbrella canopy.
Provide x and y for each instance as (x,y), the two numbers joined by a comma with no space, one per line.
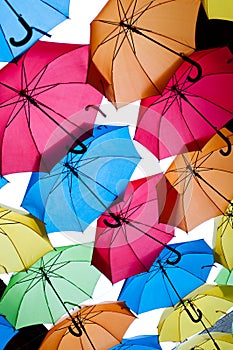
(136,45)
(98,327)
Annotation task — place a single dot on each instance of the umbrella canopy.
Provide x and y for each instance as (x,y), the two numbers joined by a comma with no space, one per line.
(197,186)
(224,277)
(187,114)
(141,342)
(101,326)
(129,229)
(3,181)
(6,331)
(136,46)
(22,25)
(216,10)
(42,104)
(222,238)
(163,285)
(83,185)
(204,342)
(55,283)
(199,311)
(23,240)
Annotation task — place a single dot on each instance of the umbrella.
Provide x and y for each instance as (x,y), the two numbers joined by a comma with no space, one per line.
(198,311)
(224,276)
(187,114)
(83,185)
(22,25)
(203,342)
(222,239)
(129,229)
(163,285)
(100,327)
(55,283)
(196,186)
(135,46)
(6,331)
(216,10)
(42,104)
(23,240)
(3,181)
(141,342)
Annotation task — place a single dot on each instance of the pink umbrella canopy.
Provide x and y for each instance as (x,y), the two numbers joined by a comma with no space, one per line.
(187,114)
(42,104)
(129,237)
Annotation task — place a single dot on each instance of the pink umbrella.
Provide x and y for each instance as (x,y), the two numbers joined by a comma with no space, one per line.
(42,105)
(187,114)
(129,237)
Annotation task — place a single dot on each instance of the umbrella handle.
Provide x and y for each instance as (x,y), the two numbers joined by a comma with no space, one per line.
(229,146)
(96,108)
(197,311)
(74,333)
(80,151)
(27,36)
(196,65)
(178,256)
(117,221)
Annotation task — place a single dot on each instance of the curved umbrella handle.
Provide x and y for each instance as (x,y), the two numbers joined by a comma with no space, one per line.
(197,311)
(117,221)
(81,151)
(96,108)
(195,64)
(79,331)
(178,255)
(27,36)
(229,146)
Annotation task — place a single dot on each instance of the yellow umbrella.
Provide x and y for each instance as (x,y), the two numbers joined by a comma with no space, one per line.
(216,9)
(23,240)
(223,239)
(204,342)
(198,311)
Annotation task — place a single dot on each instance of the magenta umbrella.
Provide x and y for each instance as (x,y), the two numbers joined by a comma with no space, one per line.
(129,237)
(187,114)
(42,105)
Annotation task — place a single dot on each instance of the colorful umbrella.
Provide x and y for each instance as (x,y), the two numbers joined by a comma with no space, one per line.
(99,327)
(42,104)
(163,285)
(6,331)
(197,186)
(224,276)
(136,46)
(23,240)
(141,342)
(55,283)
(129,229)
(3,181)
(83,185)
(204,342)
(22,25)
(187,114)
(219,10)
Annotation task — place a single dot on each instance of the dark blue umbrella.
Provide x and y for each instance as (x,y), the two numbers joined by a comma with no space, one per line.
(84,183)
(7,331)
(22,23)
(141,342)
(165,284)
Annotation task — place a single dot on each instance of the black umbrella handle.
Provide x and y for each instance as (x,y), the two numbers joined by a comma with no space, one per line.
(229,146)
(110,224)
(197,312)
(82,150)
(75,333)
(178,256)
(96,108)
(196,65)
(27,37)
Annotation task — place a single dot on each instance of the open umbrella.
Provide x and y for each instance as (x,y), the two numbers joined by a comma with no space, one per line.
(7,331)
(23,24)
(216,10)
(187,114)
(163,285)
(140,342)
(42,106)
(128,235)
(224,276)
(83,185)
(99,327)
(55,283)
(204,342)
(3,181)
(197,186)
(23,240)
(136,46)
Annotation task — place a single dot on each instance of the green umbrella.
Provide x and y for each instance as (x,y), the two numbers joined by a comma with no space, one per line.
(50,287)
(225,276)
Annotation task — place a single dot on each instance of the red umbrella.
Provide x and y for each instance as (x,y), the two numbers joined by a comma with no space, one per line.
(42,103)
(129,237)
(187,114)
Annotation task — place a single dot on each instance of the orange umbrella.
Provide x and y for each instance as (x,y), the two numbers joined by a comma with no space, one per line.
(97,327)
(136,46)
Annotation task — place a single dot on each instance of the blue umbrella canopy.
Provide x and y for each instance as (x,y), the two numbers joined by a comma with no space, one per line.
(167,283)
(141,342)
(7,331)
(3,181)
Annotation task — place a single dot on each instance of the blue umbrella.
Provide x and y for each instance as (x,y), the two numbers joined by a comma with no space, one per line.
(85,182)
(165,284)
(3,181)
(7,331)
(22,23)
(141,342)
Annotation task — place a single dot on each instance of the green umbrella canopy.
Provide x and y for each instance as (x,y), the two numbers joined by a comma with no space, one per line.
(52,286)
(224,276)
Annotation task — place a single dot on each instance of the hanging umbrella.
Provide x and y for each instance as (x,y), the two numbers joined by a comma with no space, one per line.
(129,229)
(187,114)
(42,104)
(141,342)
(224,276)
(98,327)
(23,240)
(135,46)
(6,331)
(22,25)
(196,186)
(203,342)
(163,285)
(198,311)
(83,185)
(222,239)
(219,10)
(55,283)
